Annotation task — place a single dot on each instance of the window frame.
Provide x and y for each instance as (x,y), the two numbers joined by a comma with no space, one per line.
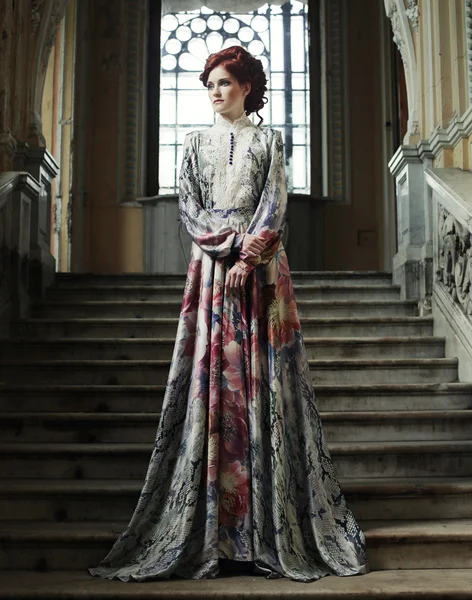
(153,97)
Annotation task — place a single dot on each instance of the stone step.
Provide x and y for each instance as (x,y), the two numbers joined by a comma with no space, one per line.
(142,398)
(125,372)
(162,348)
(164,308)
(80,292)
(71,500)
(111,428)
(352,460)
(158,328)
(415,544)
(342,278)
(397,426)
(424,584)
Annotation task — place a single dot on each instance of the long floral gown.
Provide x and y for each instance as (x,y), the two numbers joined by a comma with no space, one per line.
(240,469)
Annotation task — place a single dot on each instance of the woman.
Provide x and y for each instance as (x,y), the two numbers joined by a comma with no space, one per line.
(240,470)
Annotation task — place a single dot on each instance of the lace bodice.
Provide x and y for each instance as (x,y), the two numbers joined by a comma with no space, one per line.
(232,180)
(233,161)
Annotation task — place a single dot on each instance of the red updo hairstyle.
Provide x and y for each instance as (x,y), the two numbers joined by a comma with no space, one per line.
(247,69)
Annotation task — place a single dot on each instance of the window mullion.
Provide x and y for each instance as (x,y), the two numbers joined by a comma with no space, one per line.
(288,87)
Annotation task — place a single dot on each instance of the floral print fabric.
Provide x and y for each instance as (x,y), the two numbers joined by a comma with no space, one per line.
(240,469)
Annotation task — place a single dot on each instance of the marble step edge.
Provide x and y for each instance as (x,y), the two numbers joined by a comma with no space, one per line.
(178,303)
(337,448)
(376,532)
(394,320)
(381,487)
(418,584)
(315,341)
(331,390)
(335,363)
(127,275)
(396,416)
(180,287)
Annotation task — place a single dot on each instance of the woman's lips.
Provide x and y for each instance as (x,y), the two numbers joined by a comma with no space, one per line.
(216,101)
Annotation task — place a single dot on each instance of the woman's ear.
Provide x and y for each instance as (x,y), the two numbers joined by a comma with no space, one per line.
(247,88)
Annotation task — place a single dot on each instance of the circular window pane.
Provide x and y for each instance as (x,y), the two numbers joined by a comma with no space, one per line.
(190,63)
(198,48)
(198,25)
(215,22)
(168,62)
(183,33)
(259,23)
(214,42)
(173,46)
(256,47)
(169,23)
(231,25)
(246,34)
(231,42)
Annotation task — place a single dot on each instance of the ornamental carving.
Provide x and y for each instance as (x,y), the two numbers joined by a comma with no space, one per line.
(36,14)
(413,14)
(404,16)
(455,259)
(394,16)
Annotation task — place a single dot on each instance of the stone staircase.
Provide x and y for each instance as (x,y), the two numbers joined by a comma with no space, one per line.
(81,386)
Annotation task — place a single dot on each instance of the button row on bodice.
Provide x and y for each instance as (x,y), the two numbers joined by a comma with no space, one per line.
(231,147)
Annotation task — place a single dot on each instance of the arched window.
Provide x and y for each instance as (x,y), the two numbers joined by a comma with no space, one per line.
(278,35)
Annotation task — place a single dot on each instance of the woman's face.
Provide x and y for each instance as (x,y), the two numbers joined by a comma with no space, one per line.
(226,94)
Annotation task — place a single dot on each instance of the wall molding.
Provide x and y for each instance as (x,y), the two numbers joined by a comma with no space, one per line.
(132,103)
(335,101)
(468,42)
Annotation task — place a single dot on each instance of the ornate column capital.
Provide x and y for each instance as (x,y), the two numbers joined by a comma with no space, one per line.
(400,17)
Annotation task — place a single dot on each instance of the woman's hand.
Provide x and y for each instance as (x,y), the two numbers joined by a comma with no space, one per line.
(235,278)
(253,245)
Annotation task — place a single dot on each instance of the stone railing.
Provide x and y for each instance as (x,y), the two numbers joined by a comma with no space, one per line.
(450,192)
(19,191)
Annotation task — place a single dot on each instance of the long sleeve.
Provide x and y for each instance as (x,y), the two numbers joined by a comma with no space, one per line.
(269,219)
(213,235)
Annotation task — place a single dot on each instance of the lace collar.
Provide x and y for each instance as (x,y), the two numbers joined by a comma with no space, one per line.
(237,125)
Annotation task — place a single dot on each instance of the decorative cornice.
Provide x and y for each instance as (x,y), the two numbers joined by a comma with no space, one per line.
(406,154)
(459,128)
(27,154)
(10,181)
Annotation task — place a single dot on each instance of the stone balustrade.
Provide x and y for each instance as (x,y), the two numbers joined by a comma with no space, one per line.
(450,193)
(19,191)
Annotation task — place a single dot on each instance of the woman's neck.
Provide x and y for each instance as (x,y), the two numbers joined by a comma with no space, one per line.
(232,119)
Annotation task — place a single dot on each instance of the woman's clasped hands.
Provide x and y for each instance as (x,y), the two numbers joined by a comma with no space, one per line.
(252,247)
